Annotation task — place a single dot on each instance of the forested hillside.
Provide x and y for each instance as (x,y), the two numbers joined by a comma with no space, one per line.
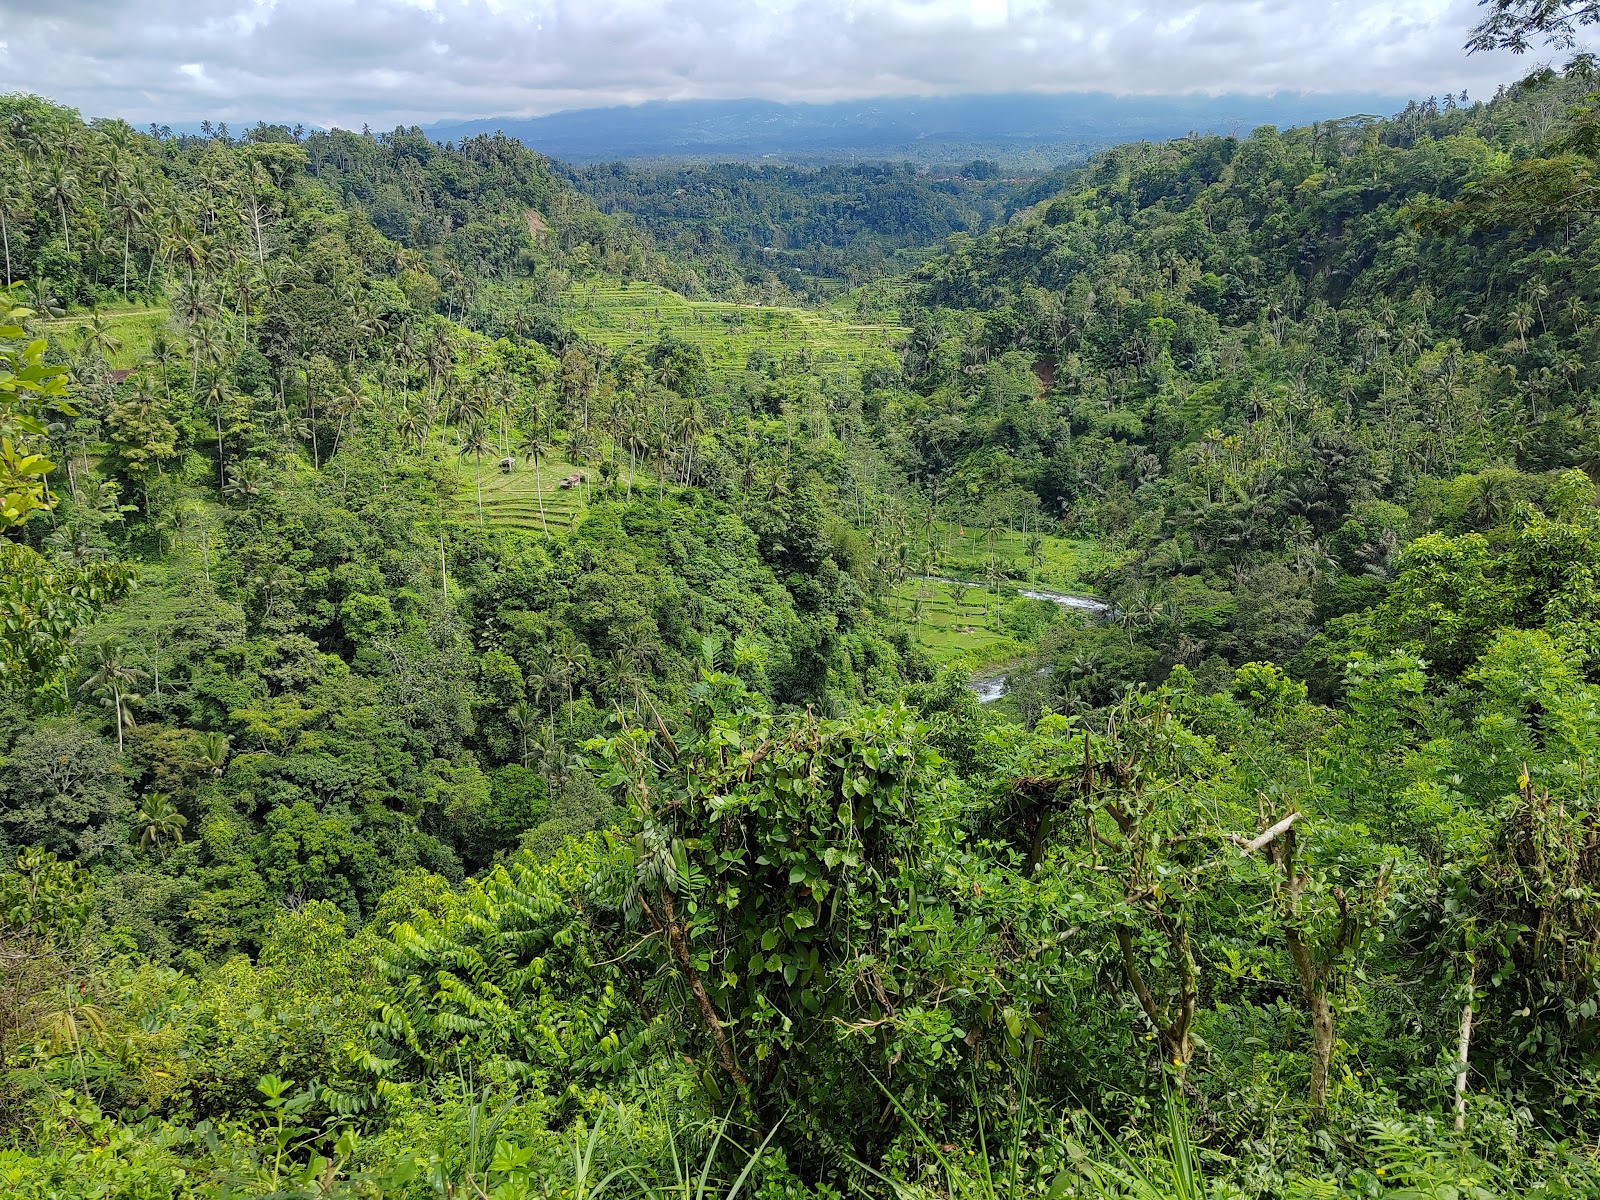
(814,229)
(484,715)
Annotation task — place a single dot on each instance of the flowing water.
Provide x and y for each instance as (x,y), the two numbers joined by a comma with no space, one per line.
(990,682)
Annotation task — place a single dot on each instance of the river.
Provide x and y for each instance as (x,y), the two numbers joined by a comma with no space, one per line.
(1090,604)
(990,682)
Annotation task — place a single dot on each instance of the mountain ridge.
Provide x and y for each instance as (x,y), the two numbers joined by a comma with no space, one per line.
(1021,128)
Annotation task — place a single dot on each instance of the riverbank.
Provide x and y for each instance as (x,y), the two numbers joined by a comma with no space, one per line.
(993,635)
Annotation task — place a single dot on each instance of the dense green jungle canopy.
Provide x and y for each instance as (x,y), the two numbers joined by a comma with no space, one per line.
(474,723)
(810,229)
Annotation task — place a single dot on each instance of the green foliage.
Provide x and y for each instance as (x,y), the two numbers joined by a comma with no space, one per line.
(45,898)
(31,390)
(508,977)
(519,774)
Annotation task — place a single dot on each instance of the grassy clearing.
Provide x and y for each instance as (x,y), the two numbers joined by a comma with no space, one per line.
(634,314)
(971,623)
(132,326)
(512,500)
(965,625)
(1065,564)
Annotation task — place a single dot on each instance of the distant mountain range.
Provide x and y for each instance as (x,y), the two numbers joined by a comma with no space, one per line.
(1027,129)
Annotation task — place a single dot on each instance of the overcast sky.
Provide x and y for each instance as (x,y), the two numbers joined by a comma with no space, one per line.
(384,61)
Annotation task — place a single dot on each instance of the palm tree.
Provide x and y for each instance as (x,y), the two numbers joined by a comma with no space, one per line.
(552,763)
(241,483)
(580,449)
(112,681)
(218,397)
(1520,321)
(42,300)
(475,441)
(129,210)
(691,424)
(958,599)
(159,820)
(348,403)
(1033,550)
(409,427)
(97,334)
(533,447)
(572,658)
(12,186)
(439,358)
(214,752)
(164,351)
(61,186)
(523,721)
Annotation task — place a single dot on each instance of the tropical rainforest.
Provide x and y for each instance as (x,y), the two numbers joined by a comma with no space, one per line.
(490,667)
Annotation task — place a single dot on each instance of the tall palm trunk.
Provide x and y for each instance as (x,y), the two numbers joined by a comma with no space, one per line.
(478,483)
(538,491)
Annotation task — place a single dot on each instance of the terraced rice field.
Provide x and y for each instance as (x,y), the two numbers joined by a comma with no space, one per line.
(619,315)
(1063,563)
(513,500)
(951,630)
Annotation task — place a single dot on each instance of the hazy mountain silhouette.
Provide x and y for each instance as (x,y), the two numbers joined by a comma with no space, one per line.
(944,129)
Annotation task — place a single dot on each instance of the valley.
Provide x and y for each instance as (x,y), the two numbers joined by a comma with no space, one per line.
(1091,691)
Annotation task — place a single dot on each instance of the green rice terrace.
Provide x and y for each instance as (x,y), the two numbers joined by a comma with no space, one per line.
(514,498)
(123,332)
(970,607)
(625,314)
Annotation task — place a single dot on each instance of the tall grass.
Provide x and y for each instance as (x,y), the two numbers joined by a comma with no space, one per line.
(1172,1172)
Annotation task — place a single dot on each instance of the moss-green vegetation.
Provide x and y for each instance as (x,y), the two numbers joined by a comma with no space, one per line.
(121,333)
(1048,560)
(372,850)
(956,621)
(622,315)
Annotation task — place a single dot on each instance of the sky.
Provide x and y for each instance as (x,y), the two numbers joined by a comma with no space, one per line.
(384,62)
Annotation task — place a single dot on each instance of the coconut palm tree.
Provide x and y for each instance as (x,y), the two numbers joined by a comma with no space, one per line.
(218,396)
(533,447)
(691,424)
(97,334)
(409,427)
(580,449)
(114,680)
(1033,551)
(523,721)
(214,752)
(159,820)
(241,483)
(42,300)
(572,658)
(12,189)
(62,187)
(475,440)
(129,210)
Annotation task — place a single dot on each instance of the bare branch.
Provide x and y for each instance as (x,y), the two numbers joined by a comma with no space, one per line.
(1265,837)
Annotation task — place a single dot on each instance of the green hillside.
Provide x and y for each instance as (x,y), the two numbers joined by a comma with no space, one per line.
(513,499)
(622,315)
(366,835)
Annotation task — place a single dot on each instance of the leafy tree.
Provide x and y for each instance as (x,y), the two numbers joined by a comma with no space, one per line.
(65,791)
(30,390)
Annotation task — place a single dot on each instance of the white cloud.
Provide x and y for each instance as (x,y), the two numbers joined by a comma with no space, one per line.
(349,61)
